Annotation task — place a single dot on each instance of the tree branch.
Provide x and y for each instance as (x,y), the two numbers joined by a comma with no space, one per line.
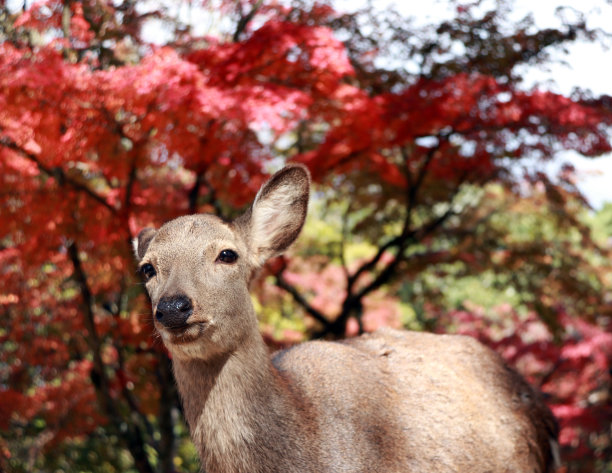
(353,302)
(168,398)
(132,437)
(192,197)
(129,187)
(57,173)
(195,192)
(400,240)
(244,21)
(297,297)
(388,272)
(413,235)
(135,412)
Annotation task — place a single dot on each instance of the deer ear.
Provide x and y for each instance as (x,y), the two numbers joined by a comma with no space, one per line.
(278,213)
(141,242)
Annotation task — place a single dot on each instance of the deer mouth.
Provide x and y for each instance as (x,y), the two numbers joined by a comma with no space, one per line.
(184,334)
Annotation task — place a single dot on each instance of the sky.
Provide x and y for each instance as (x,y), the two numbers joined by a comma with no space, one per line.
(586,68)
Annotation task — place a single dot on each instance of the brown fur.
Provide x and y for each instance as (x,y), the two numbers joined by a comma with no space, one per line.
(391,401)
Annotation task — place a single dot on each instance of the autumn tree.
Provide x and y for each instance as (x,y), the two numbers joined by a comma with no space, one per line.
(416,138)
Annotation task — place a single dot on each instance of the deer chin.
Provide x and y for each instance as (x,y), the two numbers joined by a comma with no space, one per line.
(185,335)
(194,343)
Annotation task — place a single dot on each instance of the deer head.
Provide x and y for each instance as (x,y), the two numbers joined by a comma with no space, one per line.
(197,268)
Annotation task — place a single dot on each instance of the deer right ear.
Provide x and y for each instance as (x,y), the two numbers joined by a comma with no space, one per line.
(278,213)
(142,241)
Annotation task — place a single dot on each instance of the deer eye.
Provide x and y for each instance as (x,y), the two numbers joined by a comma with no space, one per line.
(227,256)
(148,271)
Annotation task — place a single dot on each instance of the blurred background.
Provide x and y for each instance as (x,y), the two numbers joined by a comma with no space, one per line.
(460,154)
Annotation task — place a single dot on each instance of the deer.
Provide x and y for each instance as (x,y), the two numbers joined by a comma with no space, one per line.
(388,401)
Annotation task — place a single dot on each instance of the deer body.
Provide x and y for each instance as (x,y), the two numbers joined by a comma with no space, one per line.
(392,401)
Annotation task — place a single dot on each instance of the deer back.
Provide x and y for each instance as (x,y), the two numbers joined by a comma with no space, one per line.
(421,402)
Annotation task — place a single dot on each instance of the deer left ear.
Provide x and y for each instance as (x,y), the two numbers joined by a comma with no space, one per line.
(278,213)
(142,241)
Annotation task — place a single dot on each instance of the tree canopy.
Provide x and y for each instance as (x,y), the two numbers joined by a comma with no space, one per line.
(432,209)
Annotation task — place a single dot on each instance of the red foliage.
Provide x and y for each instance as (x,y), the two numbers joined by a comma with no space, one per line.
(487,113)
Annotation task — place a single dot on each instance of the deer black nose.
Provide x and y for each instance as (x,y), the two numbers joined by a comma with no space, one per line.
(173,312)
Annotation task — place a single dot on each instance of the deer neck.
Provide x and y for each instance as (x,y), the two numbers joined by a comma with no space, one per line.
(238,404)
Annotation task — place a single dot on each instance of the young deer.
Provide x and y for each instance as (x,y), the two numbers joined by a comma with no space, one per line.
(391,401)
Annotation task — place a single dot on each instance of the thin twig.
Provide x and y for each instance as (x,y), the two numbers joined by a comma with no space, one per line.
(317,315)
